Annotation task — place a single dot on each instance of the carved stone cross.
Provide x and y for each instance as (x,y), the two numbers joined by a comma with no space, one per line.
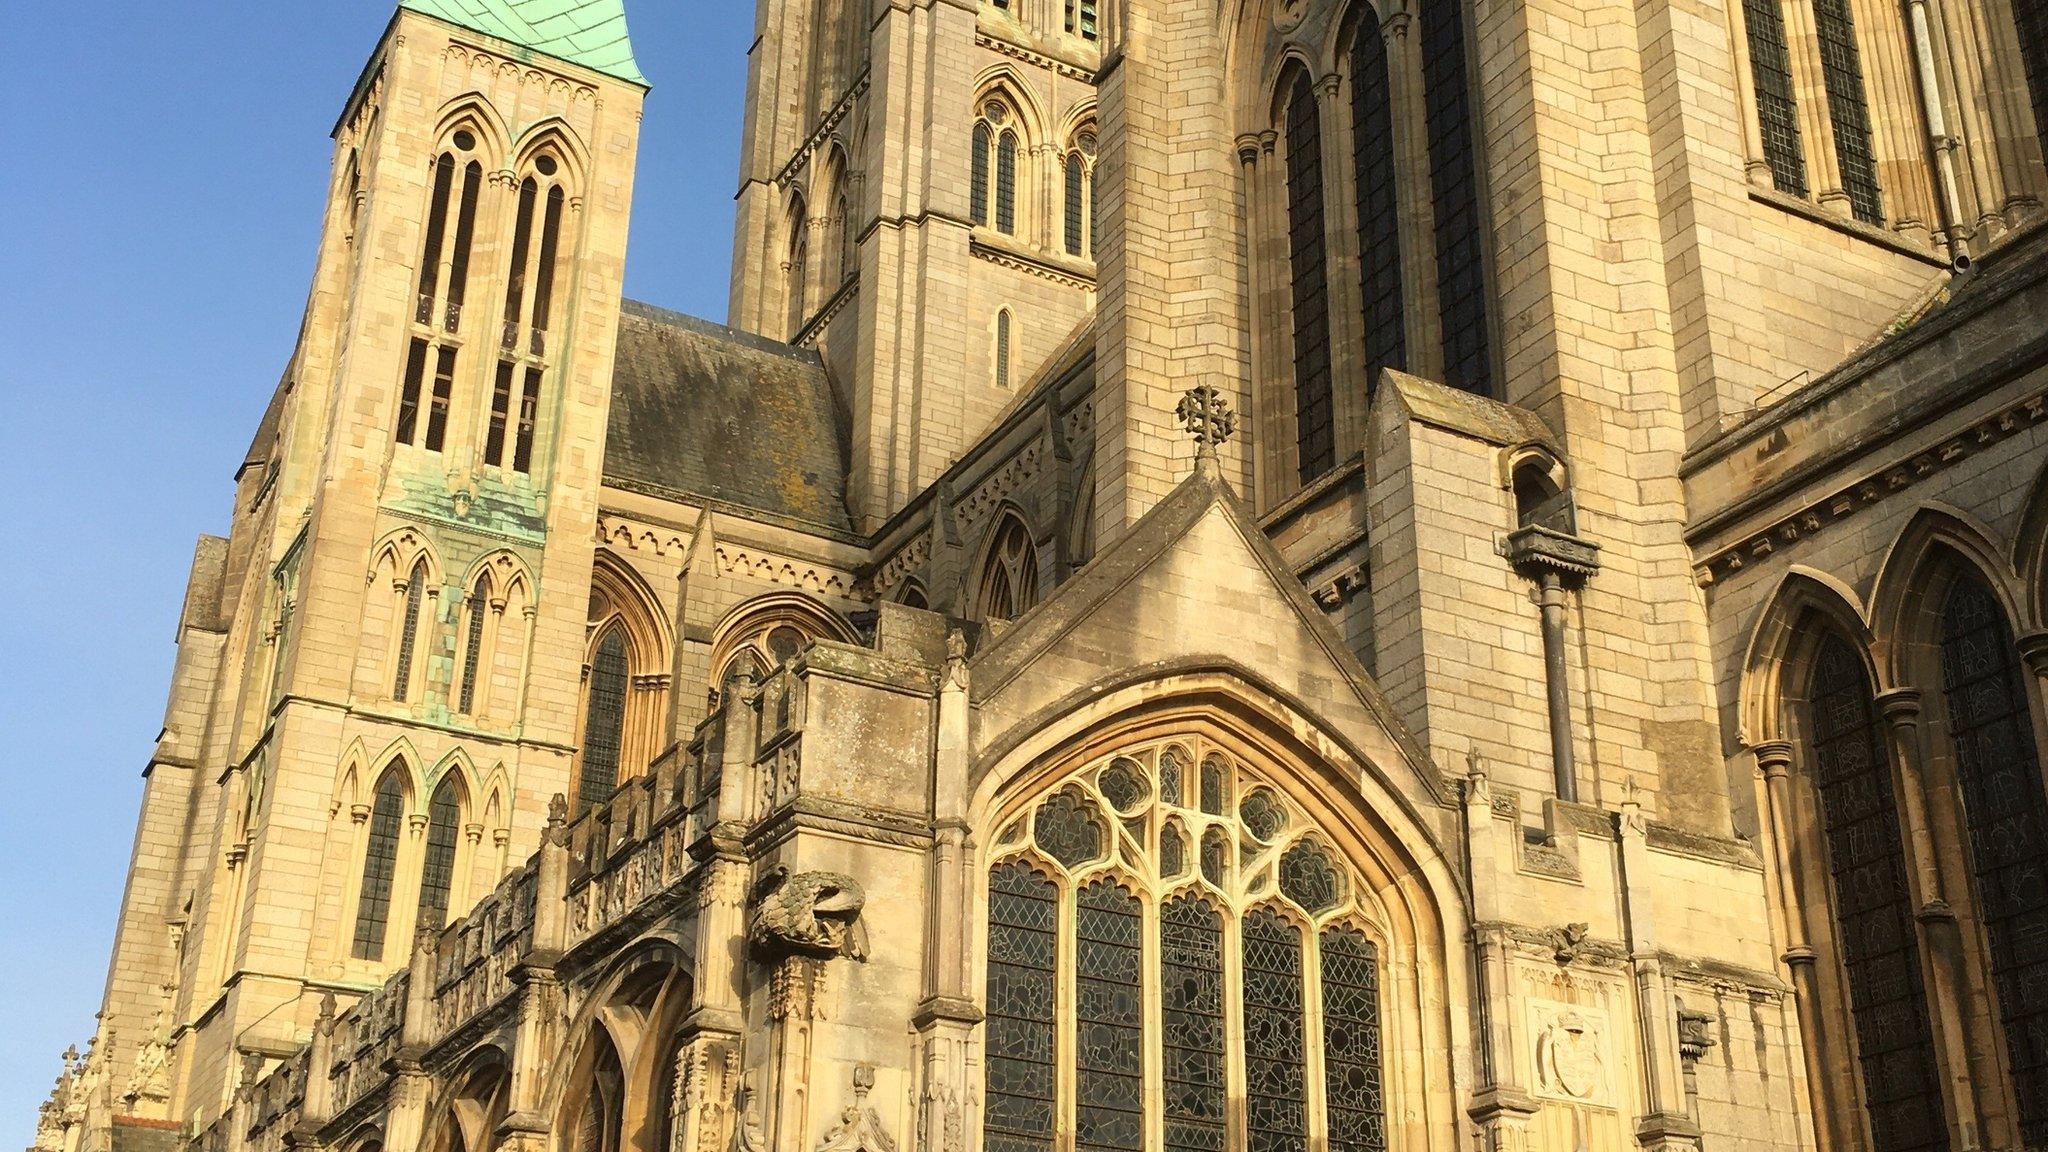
(1206,414)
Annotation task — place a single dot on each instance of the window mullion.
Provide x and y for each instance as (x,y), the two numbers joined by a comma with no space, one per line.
(1065,1010)
(1235,1137)
(1313,1077)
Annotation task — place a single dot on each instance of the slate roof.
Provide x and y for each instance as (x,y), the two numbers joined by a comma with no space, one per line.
(587,32)
(707,413)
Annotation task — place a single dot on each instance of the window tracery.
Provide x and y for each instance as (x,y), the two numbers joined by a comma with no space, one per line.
(994,164)
(529,313)
(1009,572)
(1259,961)
(452,205)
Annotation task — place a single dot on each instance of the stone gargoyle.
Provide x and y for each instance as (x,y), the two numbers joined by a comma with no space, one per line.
(809,914)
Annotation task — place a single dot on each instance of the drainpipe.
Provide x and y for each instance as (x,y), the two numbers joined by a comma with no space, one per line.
(1943,145)
(1555,561)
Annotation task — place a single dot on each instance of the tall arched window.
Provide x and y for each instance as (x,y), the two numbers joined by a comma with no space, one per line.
(1260,960)
(475,611)
(1314,414)
(529,311)
(604,723)
(797,279)
(1454,192)
(1379,223)
(380,865)
(994,164)
(443,284)
(2032,20)
(849,255)
(1873,906)
(437,870)
(1009,572)
(1777,109)
(1079,201)
(1848,108)
(2007,814)
(409,631)
(1001,351)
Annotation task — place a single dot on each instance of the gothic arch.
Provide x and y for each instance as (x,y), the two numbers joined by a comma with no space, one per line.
(399,550)
(1005,577)
(554,133)
(1937,544)
(633,1008)
(747,624)
(625,597)
(2030,548)
(402,753)
(1003,81)
(1779,646)
(1408,899)
(471,110)
(477,1096)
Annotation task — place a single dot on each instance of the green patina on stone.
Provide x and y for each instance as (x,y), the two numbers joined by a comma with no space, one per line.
(591,33)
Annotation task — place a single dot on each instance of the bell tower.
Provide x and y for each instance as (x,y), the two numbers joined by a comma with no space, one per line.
(377,688)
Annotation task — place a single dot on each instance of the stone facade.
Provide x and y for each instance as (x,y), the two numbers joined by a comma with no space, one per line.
(1579,686)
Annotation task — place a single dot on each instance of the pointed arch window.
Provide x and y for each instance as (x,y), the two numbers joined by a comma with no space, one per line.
(410,618)
(1379,225)
(2006,811)
(380,865)
(1009,574)
(1314,402)
(437,870)
(604,723)
(797,278)
(476,609)
(1872,904)
(523,342)
(1006,183)
(849,254)
(1454,195)
(431,360)
(1095,889)
(983,149)
(994,169)
(1777,109)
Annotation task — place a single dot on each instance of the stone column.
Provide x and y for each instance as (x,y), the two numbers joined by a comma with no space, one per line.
(1501,1106)
(1666,1124)
(1774,760)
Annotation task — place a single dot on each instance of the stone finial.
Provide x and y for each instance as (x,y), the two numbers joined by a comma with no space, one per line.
(558,810)
(1205,413)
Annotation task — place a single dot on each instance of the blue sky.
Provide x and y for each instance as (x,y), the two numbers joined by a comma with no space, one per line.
(161,194)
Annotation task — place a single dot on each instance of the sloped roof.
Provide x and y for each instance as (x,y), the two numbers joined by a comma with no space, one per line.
(591,33)
(707,413)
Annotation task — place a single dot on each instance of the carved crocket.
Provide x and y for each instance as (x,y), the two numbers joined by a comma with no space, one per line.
(809,914)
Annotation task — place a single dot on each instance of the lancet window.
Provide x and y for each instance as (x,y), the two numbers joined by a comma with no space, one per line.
(993,178)
(530,307)
(1001,351)
(1174,873)
(604,722)
(415,594)
(1454,186)
(1841,67)
(426,392)
(380,865)
(476,611)
(1379,232)
(1308,263)
(437,870)
(1777,109)
(799,267)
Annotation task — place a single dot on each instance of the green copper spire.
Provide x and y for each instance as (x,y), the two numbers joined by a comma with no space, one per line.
(591,33)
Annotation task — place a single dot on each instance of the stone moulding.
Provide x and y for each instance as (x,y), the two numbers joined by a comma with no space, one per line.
(1030,266)
(824,130)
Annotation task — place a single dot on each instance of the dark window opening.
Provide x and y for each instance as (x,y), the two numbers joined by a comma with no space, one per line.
(1379,225)
(437,871)
(1777,112)
(605,722)
(978,189)
(444,391)
(1842,71)
(1314,402)
(380,868)
(1454,184)
(501,414)
(1006,183)
(409,628)
(409,398)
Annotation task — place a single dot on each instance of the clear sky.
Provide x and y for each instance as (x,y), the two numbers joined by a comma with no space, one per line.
(161,174)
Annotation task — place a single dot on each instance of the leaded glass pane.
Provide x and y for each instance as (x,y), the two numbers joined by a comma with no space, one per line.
(1109,1081)
(1263,814)
(437,874)
(1842,71)
(2007,816)
(1191,1014)
(1379,233)
(1124,785)
(1777,112)
(605,722)
(1216,857)
(1351,1042)
(1076,174)
(380,865)
(473,648)
(1276,1109)
(978,190)
(1460,269)
(408,630)
(1873,909)
(1314,413)
(1309,877)
(1006,183)
(1070,829)
(1023,910)
(1215,789)
(1173,850)
(1172,770)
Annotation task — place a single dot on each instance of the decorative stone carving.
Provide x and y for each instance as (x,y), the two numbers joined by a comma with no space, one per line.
(1571,1051)
(749,1135)
(860,1126)
(1206,415)
(1694,1037)
(1567,942)
(809,914)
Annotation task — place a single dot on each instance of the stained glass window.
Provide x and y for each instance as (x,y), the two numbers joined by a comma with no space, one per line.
(1191,1015)
(1873,908)
(604,726)
(1215,790)
(1172,771)
(437,874)
(1124,785)
(1379,231)
(1263,814)
(1023,909)
(2007,814)
(380,866)
(1314,413)
(1276,1110)
(1454,183)
(1842,72)
(1109,1084)
(1309,877)
(1173,850)
(1002,350)
(1216,857)
(1351,1042)
(1070,829)
(1777,111)
(408,630)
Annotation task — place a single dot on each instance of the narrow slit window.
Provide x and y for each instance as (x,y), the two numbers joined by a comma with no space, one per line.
(465,236)
(1006,184)
(544,274)
(501,415)
(437,226)
(473,643)
(1314,403)
(1002,350)
(380,868)
(604,724)
(444,392)
(522,243)
(437,870)
(408,631)
(978,189)
(1454,185)
(529,404)
(1077,178)
(409,397)
(1379,225)
(1842,73)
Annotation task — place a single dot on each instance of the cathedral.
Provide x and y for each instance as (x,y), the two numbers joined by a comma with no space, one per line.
(1246,576)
